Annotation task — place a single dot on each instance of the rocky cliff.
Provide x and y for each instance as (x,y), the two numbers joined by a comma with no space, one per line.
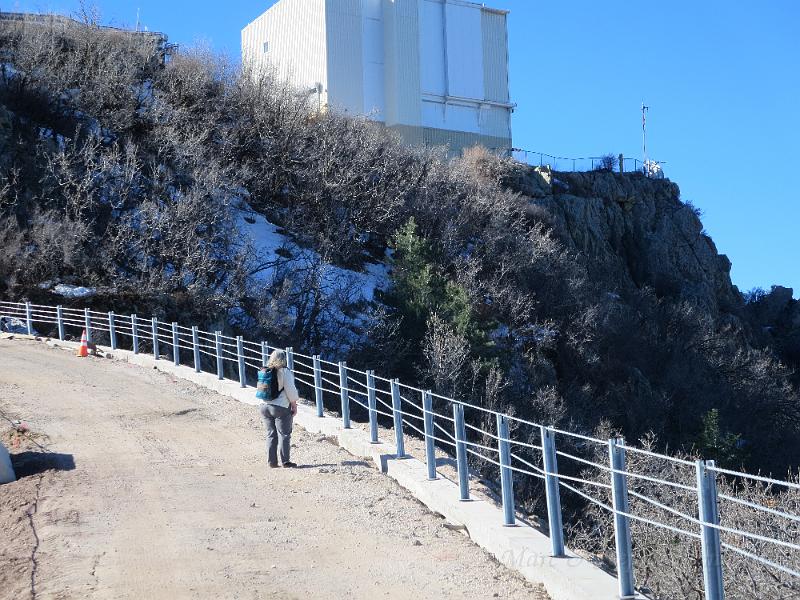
(634,232)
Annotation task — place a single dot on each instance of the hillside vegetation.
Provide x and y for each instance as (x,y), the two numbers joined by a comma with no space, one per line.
(591,301)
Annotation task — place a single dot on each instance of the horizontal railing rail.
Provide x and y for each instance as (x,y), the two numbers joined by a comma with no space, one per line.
(514,447)
(610,162)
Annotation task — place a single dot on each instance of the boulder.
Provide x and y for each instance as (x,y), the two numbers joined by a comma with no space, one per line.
(535,182)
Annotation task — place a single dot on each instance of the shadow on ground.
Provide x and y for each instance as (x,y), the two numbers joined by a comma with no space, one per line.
(32,463)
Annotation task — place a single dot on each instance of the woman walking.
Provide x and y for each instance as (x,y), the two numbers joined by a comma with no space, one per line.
(278,395)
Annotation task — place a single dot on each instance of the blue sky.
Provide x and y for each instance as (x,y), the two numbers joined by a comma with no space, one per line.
(722,80)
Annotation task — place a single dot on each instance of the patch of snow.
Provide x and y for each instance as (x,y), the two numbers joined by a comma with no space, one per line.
(346,313)
(264,235)
(74,291)
(267,241)
(14,325)
(375,278)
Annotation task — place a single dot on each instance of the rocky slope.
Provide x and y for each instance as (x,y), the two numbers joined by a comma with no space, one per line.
(634,232)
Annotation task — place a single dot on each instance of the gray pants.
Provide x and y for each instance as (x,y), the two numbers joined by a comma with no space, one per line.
(277,418)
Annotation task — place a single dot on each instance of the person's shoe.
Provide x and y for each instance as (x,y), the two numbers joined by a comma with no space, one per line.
(273,465)
(289,465)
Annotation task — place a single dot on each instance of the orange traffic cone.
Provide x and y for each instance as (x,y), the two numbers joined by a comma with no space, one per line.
(83,350)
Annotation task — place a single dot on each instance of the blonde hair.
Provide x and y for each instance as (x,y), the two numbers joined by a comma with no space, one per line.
(277,360)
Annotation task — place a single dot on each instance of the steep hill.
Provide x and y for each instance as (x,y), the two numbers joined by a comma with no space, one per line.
(200,192)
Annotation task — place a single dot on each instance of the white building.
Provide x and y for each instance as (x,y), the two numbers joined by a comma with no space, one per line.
(435,71)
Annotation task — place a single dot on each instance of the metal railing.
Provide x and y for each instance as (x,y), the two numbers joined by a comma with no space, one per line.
(584,163)
(502,441)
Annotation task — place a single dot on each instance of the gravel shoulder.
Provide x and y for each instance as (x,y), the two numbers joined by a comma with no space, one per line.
(139,485)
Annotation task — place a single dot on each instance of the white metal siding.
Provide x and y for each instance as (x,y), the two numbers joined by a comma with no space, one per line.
(433,114)
(402,61)
(374,60)
(495,56)
(496,121)
(464,53)
(296,36)
(345,64)
(432,48)
(462,118)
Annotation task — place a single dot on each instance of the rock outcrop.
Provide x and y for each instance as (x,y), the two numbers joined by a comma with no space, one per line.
(634,232)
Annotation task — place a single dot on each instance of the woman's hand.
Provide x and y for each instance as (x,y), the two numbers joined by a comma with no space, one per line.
(293,407)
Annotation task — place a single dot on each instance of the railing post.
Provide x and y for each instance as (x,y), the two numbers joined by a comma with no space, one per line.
(371,402)
(552,491)
(461,451)
(430,447)
(60,318)
(218,340)
(135,333)
(112,330)
(345,394)
(196,349)
(290,358)
(29,317)
(176,348)
(318,387)
(398,419)
(264,354)
(154,329)
(506,476)
(709,539)
(88,323)
(240,356)
(622,528)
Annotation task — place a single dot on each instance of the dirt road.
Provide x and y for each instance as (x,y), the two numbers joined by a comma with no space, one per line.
(154,488)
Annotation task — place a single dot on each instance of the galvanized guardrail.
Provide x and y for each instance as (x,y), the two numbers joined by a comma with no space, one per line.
(389,398)
(617,162)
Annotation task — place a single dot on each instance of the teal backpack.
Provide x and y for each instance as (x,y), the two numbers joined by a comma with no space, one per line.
(267,388)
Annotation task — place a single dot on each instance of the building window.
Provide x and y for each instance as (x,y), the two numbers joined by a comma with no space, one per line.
(266,47)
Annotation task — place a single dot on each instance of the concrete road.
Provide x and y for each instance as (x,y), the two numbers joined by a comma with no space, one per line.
(138,485)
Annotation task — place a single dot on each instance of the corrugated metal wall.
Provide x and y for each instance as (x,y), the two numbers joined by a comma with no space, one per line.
(374,60)
(402,61)
(464,53)
(464,64)
(295,33)
(345,55)
(495,55)
(433,50)
(456,141)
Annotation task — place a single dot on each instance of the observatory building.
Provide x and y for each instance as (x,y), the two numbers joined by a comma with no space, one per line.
(434,71)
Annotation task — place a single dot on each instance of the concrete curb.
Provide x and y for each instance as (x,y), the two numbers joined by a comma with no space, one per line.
(521,547)
(7,474)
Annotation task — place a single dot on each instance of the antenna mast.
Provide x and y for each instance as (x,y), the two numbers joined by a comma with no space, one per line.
(137,19)
(644,132)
